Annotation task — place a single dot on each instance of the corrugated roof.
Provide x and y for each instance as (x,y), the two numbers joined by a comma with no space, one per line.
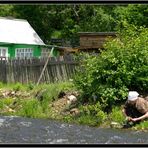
(18,31)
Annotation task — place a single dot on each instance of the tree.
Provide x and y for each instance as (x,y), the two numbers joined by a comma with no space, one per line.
(6,10)
(132,14)
(37,16)
(123,66)
(66,20)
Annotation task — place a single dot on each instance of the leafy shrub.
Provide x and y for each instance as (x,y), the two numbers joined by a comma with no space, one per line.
(93,111)
(87,120)
(116,115)
(121,67)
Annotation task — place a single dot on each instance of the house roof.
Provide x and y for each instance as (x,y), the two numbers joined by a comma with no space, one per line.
(18,31)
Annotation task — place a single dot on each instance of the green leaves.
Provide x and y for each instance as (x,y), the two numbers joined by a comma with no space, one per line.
(47,20)
(133,14)
(123,66)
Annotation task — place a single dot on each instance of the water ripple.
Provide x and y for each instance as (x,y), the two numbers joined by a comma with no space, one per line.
(25,130)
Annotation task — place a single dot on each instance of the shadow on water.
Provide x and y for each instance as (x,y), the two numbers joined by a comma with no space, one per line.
(25,130)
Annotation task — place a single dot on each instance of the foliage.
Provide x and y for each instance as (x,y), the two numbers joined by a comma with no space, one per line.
(18,87)
(116,115)
(6,10)
(87,120)
(107,78)
(133,14)
(37,104)
(94,112)
(5,102)
(142,126)
(91,114)
(64,21)
(1,85)
(30,108)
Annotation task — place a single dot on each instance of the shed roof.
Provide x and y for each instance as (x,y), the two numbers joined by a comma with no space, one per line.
(18,31)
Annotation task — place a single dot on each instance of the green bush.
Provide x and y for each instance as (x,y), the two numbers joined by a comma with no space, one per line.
(87,120)
(116,115)
(121,67)
(92,112)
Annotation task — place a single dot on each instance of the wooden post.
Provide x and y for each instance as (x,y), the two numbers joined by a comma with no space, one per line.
(45,66)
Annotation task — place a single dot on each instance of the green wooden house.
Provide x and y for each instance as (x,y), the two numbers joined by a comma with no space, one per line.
(19,40)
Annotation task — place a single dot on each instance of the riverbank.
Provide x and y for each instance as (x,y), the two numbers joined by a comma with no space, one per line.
(51,101)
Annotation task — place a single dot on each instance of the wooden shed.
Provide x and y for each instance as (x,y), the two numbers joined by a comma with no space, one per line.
(94,40)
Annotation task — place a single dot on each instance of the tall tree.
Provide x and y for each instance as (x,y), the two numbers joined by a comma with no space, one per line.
(6,10)
(66,20)
(132,14)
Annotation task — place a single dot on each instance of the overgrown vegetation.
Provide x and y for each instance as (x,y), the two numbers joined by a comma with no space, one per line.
(38,102)
(103,81)
(35,104)
(65,21)
(123,66)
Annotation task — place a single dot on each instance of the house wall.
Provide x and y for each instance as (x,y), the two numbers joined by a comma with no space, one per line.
(12,47)
(36,49)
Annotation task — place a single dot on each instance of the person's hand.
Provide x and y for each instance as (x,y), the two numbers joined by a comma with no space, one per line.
(134,119)
(128,118)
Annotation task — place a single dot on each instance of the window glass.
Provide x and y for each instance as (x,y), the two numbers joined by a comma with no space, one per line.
(45,52)
(24,52)
(3,51)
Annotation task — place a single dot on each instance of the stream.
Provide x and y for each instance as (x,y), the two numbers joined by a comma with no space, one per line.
(18,130)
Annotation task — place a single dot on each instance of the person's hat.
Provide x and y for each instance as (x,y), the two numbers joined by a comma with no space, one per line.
(132,95)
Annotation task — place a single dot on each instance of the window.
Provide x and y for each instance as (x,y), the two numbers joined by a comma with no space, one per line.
(45,52)
(4,52)
(24,52)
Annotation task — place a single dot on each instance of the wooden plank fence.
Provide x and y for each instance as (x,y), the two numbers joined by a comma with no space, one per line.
(29,70)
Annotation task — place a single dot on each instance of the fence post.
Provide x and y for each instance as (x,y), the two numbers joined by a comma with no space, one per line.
(44,67)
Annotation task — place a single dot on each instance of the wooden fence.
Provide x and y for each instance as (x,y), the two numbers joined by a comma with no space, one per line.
(29,70)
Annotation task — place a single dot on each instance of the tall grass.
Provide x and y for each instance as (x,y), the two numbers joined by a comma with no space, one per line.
(32,106)
(116,115)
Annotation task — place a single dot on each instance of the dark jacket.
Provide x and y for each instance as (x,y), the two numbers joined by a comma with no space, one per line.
(138,109)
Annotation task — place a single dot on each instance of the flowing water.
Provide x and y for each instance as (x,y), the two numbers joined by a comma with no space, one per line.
(24,130)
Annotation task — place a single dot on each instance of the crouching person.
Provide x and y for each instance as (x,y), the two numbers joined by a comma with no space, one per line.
(135,108)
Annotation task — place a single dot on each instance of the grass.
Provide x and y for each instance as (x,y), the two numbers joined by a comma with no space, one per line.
(116,115)
(142,126)
(34,107)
